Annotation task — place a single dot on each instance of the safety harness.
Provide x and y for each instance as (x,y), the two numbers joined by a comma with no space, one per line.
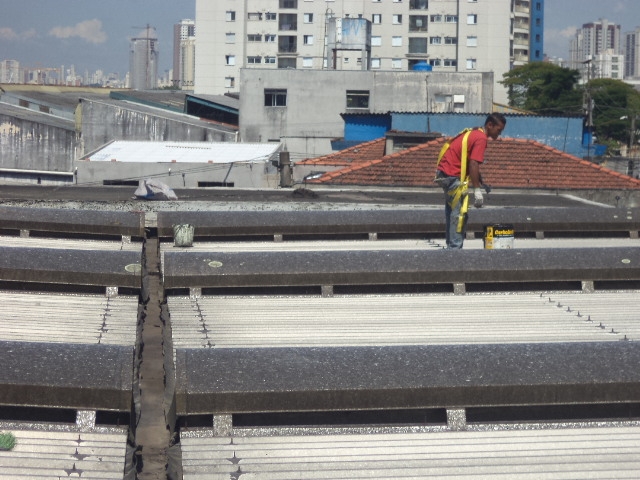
(460,192)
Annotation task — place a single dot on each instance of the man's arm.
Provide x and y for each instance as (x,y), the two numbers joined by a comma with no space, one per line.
(474,173)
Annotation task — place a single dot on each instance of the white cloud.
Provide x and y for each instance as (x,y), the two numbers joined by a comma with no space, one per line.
(10,35)
(89,30)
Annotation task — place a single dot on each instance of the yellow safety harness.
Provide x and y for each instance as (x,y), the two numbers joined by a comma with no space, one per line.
(460,192)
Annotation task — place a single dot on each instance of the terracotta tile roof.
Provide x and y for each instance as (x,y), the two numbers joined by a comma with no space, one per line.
(510,163)
(363,152)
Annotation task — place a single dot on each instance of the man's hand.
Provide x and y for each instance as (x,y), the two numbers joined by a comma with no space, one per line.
(478,199)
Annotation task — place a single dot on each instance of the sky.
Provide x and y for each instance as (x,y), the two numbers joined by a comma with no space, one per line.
(94,35)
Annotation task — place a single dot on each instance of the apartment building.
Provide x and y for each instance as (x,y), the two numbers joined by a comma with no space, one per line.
(449,35)
(184,54)
(632,54)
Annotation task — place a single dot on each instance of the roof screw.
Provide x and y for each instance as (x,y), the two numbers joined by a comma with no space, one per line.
(625,339)
(589,318)
(568,309)
(613,331)
(602,326)
(550,301)
(559,305)
(579,314)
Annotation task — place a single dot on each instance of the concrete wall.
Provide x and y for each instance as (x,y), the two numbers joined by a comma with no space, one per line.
(30,145)
(315,100)
(105,122)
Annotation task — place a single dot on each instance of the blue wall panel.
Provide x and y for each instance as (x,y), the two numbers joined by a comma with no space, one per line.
(364,128)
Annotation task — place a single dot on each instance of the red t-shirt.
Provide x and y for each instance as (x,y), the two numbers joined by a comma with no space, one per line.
(476,146)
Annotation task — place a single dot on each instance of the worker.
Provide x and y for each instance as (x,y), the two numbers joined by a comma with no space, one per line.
(459,169)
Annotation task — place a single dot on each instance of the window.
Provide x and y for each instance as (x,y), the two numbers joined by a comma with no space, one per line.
(230,59)
(287,44)
(275,97)
(418,45)
(396,63)
(471,63)
(450,62)
(376,18)
(287,62)
(307,40)
(417,23)
(230,37)
(229,82)
(472,19)
(450,40)
(269,38)
(418,5)
(254,60)
(357,98)
(270,16)
(254,37)
(375,63)
(396,41)
(288,3)
(376,41)
(231,16)
(397,19)
(435,40)
(436,18)
(308,18)
(307,62)
(451,19)
(254,16)
(288,22)
(472,41)
(435,62)
(271,60)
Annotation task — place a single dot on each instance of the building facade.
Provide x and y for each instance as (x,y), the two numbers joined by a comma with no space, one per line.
(307,118)
(448,35)
(143,60)
(632,54)
(184,54)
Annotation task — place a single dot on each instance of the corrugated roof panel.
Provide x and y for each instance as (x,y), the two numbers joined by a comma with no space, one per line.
(89,319)
(59,454)
(63,243)
(191,152)
(238,322)
(524,454)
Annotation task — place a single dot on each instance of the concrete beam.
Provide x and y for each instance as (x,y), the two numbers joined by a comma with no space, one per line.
(249,380)
(84,377)
(88,222)
(331,268)
(76,267)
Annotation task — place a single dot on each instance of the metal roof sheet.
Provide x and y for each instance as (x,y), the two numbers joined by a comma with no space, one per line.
(192,152)
(524,454)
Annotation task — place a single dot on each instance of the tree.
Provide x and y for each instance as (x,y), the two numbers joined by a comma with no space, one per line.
(615,105)
(544,88)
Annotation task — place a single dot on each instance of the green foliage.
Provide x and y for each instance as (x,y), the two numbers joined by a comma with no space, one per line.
(613,100)
(7,441)
(544,88)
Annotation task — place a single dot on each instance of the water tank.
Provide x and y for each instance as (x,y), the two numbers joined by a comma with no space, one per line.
(422,67)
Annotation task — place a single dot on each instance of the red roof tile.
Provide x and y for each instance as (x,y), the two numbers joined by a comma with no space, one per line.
(356,155)
(510,163)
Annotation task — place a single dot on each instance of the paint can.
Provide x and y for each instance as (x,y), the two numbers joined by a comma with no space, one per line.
(497,237)
(183,235)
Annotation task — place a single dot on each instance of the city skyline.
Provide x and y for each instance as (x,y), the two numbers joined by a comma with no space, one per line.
(96,36)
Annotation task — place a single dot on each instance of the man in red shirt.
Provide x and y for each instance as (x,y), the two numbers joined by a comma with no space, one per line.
(459,170)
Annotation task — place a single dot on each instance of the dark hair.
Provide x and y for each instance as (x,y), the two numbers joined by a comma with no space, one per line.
(496,119)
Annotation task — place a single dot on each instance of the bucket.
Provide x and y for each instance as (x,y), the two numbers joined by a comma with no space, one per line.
(498,237)
(183,235)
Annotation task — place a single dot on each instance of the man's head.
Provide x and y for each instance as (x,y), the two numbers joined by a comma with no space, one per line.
(494,125)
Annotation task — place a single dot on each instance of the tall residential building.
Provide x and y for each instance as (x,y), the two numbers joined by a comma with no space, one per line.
(184,54)
(10,71)
(632,54)
(593,39)
(143,60)
(449,35)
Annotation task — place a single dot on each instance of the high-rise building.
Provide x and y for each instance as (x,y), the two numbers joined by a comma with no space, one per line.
(448,35)
(184,54)
(143,60)
(10,71)
(632,54)
(596,51)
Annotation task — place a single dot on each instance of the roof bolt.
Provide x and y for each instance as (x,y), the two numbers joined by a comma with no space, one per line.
(625,339)
(602,326)
(579,314)
(568,309)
